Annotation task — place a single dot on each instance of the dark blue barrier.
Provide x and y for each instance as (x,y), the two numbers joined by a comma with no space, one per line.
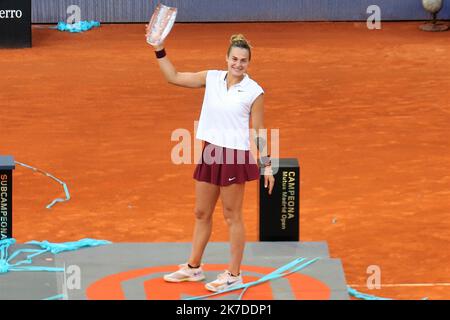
(51,11)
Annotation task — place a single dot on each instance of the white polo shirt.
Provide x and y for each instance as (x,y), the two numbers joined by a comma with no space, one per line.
(225,116)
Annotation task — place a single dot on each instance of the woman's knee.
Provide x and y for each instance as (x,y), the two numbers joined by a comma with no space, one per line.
(202,214)
(232,215)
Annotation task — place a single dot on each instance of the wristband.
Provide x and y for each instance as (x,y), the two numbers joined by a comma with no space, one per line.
(160,54)
(266,161)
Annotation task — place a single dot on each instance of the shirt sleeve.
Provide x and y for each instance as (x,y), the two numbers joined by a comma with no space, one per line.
(256,93)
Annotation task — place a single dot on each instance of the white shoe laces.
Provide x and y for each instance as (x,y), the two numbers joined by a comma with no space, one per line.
(223,276)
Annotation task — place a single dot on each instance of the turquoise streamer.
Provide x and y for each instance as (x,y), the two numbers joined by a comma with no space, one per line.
(79,26)
(57,297)
(278,273)
(364,296)
(45,246)
(55,248)
(29,258)
(66,190)
(37,269)
(4,245)
(277,276)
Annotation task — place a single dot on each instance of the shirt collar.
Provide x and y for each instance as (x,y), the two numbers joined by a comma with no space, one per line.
(240,84)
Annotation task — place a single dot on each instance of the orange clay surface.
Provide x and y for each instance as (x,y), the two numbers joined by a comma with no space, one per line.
(367,114)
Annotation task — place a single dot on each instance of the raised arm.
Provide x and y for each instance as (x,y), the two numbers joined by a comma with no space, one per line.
(182,79)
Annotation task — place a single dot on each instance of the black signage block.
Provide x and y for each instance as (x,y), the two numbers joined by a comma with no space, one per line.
(15,23)
(279,214)
(6,168)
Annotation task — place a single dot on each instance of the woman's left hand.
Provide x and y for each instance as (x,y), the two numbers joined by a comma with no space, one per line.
(269,180)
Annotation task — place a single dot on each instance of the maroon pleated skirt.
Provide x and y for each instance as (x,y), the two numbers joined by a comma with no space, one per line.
(223,166)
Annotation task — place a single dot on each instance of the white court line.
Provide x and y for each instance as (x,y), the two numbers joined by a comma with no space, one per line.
(442,284)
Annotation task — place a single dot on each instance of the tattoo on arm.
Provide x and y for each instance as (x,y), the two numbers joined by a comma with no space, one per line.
(260,143)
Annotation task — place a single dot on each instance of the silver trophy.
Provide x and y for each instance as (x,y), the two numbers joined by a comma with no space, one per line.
(161,23)
(433,7)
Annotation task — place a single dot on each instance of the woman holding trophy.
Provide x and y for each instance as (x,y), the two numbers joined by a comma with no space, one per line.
(231,100)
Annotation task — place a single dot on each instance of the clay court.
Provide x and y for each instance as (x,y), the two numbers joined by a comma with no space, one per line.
(366,113)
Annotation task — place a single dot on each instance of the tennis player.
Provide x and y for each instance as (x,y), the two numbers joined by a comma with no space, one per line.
(231,99)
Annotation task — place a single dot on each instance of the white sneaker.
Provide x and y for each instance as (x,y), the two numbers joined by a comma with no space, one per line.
(185,274)
(224,281)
